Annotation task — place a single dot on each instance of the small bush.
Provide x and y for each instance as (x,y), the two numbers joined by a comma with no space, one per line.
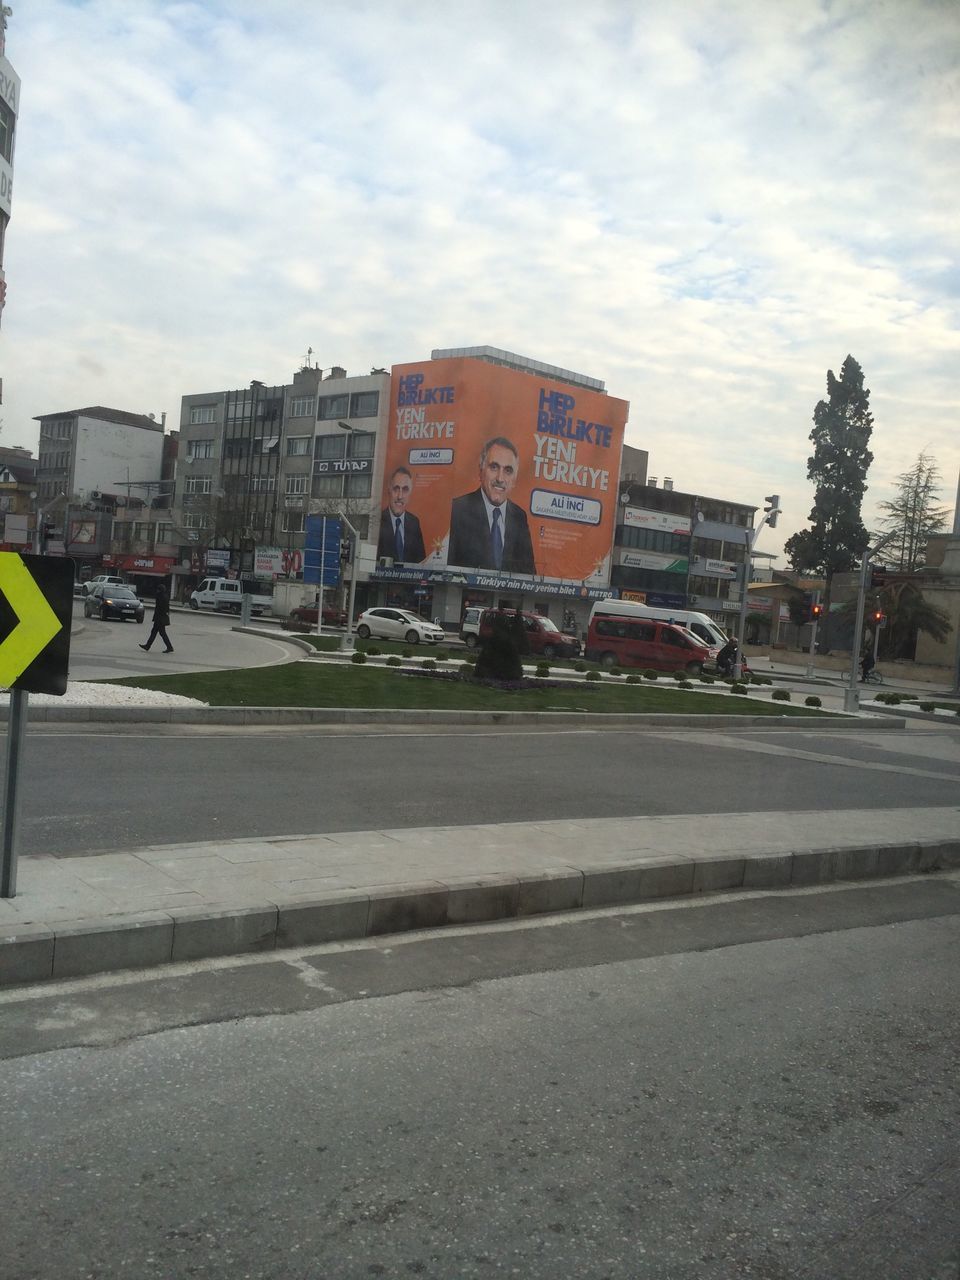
(467,669)
(812,701)
(707,680)
(406,653)
(579,666)
(679,675)
(893,699)
(684,684)
(543,670)
(928,706)
(429,664)
(649,675)
(372,651)
(593,675)
(442,655)
(394,661)
(633,678)
(737,688)
(781,695)
(358,658)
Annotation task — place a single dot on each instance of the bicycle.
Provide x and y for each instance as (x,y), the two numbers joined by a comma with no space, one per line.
(873,676)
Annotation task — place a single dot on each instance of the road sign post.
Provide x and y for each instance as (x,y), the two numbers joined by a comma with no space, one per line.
(36,612)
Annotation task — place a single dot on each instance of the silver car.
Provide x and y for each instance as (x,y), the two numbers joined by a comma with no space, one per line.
(398,624)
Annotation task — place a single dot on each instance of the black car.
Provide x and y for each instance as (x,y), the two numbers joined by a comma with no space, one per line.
(112,600)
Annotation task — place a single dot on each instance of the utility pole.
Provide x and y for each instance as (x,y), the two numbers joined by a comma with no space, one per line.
(771,514)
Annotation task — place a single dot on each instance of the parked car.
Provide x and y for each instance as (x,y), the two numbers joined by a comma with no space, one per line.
(543,636)
(110,579)
(470,625)
(398,624)
(661,646)
(333,615)
(112,600)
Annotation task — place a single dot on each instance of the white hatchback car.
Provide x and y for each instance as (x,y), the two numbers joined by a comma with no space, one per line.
(398,624)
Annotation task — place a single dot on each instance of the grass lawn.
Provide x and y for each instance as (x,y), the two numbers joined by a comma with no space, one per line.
(312,684)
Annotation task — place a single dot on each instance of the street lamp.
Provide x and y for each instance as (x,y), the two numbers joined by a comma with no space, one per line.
(771,513)
(851,695)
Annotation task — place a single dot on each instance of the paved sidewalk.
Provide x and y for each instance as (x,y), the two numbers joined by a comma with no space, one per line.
(154,905)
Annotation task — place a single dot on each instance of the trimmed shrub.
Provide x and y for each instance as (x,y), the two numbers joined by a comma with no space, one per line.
(579,666)
(543,670)
(394,661)
(707,680)
(358,658)
(633,678)
(372,651)
(650,674)
(781,695)
(928,706)
(593,675)
(684,684)
(428,664)
(442,655)
(406,653)
(893,699)
(679,675)
(737,688)
(467,669)
(812,701)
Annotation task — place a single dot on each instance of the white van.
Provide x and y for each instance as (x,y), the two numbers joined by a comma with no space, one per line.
(703,627)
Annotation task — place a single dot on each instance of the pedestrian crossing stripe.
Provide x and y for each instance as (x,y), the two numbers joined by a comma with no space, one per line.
(37,624)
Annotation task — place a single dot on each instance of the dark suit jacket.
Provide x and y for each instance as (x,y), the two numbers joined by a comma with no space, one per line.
(414,551)
(469,544)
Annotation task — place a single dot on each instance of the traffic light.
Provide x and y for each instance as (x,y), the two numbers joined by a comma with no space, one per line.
(816,612)
(877,617)
(772,509)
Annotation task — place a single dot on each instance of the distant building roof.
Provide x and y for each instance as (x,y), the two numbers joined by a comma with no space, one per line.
(17,473)
(510,360)
(103,414)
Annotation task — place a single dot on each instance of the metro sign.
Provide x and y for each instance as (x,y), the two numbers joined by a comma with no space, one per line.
(36,613)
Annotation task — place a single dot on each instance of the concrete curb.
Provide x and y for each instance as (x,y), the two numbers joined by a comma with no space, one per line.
(38,952)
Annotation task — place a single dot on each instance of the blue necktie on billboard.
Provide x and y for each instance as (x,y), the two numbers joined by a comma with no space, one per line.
(398,539)
(497,539)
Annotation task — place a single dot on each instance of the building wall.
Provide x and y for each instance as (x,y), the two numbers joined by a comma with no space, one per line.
(9,108)
(107,454)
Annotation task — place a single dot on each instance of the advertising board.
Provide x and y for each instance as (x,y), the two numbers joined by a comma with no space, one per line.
(662,521)
(501,471)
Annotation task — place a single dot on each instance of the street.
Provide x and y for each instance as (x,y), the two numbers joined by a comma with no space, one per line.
(757,1086)
(120,787)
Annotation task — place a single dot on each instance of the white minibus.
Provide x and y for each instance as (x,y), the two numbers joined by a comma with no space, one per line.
(703,627)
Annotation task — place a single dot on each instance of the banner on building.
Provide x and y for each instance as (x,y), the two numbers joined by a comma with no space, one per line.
(661,521)
(499,470)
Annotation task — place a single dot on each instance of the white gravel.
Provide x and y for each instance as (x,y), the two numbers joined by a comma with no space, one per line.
(85,694)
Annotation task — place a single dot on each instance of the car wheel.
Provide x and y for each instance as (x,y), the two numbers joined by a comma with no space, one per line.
(608,659)
(412,637)
(694,668)
(471,641)
(363,631)
(104,616)
(549,651)
(193,604)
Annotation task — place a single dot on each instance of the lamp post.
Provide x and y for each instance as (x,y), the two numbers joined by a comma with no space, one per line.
(770,515)
(851,694)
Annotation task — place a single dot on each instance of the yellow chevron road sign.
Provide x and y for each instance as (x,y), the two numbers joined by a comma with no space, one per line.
(36,610)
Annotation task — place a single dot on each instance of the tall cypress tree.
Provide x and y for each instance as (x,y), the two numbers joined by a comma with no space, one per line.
(842,424)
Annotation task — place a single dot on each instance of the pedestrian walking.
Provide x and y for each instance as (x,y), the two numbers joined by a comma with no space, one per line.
(161,620)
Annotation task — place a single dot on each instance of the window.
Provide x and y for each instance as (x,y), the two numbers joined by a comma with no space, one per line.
(293,522)
(142,531)
(200,413)
(199,448)
(358,486)
(7,122)
(235,448)
(330,447)
(198,484)
(265,444)
(296,485)
(121,530)
(298,446)
(328,486)
(195,520)
(164,532)
(302,407)
(334,407)
(262,484)
(364,404)
(361,444)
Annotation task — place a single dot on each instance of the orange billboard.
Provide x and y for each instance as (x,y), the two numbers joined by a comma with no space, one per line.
(495,471)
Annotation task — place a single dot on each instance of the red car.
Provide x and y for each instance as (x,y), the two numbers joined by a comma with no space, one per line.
(333,615)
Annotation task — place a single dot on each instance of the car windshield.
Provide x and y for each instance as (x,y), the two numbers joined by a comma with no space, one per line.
(121,593)
(548,625)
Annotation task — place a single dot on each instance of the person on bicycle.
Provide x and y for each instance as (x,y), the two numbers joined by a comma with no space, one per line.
(866,663)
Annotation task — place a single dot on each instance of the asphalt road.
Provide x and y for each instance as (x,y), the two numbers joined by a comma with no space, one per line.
(89,790)
(758,1087)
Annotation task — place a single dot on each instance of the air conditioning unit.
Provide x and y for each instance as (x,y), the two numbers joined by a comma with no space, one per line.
(385,562)
(95,495)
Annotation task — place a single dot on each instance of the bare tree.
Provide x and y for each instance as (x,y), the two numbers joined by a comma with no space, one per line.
(913,515)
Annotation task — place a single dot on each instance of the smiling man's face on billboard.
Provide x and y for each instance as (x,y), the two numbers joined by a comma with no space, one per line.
(401,486)
(498,473)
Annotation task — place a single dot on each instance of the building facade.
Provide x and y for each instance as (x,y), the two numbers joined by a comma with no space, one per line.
(9,107)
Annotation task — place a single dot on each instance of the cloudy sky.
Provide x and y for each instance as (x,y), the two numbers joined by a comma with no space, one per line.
(705,204)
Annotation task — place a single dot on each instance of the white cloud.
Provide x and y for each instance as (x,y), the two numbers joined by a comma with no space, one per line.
(705,204)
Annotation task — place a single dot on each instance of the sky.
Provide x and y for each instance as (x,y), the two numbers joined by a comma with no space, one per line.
(705,203)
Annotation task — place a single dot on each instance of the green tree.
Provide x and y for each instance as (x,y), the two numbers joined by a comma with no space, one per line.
(842,424)
(908,613)
(913,515)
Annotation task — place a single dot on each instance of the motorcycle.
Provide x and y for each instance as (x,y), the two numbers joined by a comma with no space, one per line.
(726,660)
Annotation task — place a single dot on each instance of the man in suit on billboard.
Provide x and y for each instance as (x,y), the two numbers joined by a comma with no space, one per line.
(400,537)
(487,530)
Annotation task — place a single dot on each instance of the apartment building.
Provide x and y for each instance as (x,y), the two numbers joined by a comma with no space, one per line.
(9,107)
